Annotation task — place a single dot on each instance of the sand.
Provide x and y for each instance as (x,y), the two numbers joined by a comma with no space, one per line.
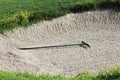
(100,29)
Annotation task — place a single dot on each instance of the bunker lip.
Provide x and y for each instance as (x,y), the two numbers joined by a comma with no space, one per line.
(99,29)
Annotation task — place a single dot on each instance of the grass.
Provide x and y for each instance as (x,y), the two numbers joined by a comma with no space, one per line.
(109,74)
(20,13)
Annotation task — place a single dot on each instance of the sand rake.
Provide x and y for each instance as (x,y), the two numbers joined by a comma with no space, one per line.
(82,44)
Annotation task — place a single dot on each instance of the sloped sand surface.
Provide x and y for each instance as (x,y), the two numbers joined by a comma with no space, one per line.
(100,29)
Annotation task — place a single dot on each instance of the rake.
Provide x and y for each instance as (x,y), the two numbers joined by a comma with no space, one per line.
(82,44)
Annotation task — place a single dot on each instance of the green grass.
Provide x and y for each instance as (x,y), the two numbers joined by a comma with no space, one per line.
(109,74)
(20,13)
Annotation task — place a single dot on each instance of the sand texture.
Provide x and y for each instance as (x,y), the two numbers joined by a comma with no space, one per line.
(100,29)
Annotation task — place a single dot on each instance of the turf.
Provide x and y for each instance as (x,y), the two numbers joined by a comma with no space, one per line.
(20,13)
(109,74)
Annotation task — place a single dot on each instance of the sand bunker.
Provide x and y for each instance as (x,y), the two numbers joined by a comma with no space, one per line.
(100,29)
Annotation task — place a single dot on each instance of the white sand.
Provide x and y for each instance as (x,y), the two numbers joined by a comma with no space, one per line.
(100,29)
